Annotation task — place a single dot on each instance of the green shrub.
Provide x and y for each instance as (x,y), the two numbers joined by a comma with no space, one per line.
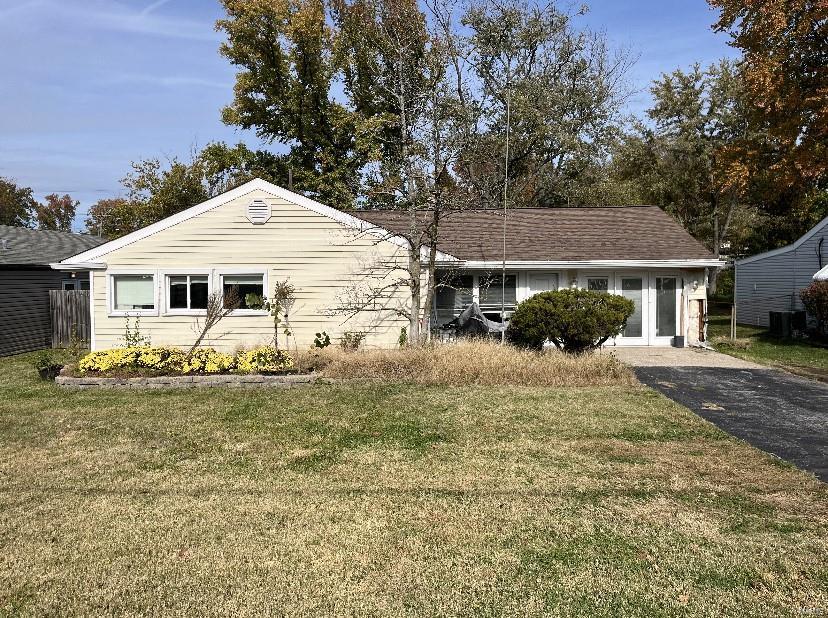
(815,299)
(574,320)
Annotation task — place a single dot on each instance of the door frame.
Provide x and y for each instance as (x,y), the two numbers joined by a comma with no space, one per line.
(644,275)
(664,339)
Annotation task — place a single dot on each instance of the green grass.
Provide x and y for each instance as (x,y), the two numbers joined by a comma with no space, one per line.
(793,354)
(394,500)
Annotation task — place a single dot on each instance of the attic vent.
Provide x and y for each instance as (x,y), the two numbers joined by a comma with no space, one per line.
(258,212)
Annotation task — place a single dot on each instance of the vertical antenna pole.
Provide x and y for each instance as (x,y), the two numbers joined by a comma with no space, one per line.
(505,196)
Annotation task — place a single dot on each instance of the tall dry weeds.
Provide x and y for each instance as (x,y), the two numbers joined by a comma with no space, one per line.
(476,363)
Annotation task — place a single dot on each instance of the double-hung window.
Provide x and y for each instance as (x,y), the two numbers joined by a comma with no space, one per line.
(248,289)
(187,292)
(133,293)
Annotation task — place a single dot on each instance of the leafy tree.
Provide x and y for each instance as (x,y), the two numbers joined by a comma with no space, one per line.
(166,191)
(16,204)
(785,46)
(558,87)
(681,161)
(57,213)
(155,191)
(286,51)
(574,320)
(116,217)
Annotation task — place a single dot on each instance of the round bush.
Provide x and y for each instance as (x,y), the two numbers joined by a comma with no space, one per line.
(815,300)
(574,320)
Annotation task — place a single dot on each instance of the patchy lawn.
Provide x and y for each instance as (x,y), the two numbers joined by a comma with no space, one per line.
(756,345)
(401,500)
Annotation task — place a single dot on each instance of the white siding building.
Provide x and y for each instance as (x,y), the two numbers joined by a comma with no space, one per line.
(771,281)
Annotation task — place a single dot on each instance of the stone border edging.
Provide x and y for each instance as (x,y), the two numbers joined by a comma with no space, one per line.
(199,381)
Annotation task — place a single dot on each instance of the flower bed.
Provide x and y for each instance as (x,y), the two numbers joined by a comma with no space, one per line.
(142,362)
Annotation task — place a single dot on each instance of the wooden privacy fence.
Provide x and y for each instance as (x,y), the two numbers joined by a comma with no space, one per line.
(70,317)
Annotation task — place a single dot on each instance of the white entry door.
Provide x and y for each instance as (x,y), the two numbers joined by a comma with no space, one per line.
(635,287)
(542,282)
(665,301)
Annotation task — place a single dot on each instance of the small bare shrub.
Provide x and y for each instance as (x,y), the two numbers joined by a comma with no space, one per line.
(351,340)
(219,306)
(479,363)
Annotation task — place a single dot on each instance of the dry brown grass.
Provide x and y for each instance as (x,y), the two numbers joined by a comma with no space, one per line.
(471,363)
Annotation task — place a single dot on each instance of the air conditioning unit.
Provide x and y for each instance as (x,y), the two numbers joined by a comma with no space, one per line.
(780,323)
(258,212)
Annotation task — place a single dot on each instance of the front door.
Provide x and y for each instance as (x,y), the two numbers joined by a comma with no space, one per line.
(666,301)
(634,286)
(542,282)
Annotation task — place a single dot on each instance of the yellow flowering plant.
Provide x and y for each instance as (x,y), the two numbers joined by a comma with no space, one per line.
(169,360)
(263,359)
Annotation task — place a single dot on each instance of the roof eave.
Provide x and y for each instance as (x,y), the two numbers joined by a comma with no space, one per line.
(547,264)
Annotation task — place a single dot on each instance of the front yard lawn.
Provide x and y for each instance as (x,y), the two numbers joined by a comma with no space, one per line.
(793,354)
(394,499)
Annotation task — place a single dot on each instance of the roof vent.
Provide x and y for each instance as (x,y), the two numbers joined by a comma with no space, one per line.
(258,212)
(4,244)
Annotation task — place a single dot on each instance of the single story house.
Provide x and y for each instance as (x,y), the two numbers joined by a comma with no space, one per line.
(25,281)
(346,267)
(771,281)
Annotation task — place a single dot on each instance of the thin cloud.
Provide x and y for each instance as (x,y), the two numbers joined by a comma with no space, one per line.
(155,5)
(169,81)
(115,17)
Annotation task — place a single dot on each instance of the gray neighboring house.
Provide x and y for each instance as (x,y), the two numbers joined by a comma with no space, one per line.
(771,281)
(25,281)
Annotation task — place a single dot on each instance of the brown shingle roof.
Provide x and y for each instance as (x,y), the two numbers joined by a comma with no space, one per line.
(557,234)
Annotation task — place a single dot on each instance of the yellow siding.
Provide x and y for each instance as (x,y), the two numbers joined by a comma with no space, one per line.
(321,257)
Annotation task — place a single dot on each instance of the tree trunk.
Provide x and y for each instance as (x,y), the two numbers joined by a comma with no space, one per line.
(415,271)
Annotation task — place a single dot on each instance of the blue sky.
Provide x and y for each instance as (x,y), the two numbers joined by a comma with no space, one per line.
(90,85)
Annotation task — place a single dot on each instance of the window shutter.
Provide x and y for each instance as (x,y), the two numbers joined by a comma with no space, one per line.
(258,212)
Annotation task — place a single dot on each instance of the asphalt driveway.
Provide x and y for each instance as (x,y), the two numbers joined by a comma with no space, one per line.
(775,411)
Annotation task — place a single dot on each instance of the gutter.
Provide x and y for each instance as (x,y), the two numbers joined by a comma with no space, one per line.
(545,265)
(78,266)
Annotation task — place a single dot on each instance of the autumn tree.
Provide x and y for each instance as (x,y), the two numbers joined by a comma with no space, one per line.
(56,213)
(785,47)
(17,204)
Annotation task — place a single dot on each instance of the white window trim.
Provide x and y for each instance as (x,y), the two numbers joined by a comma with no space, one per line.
(74,283)
(110,292)
(252,270)
(183,272)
